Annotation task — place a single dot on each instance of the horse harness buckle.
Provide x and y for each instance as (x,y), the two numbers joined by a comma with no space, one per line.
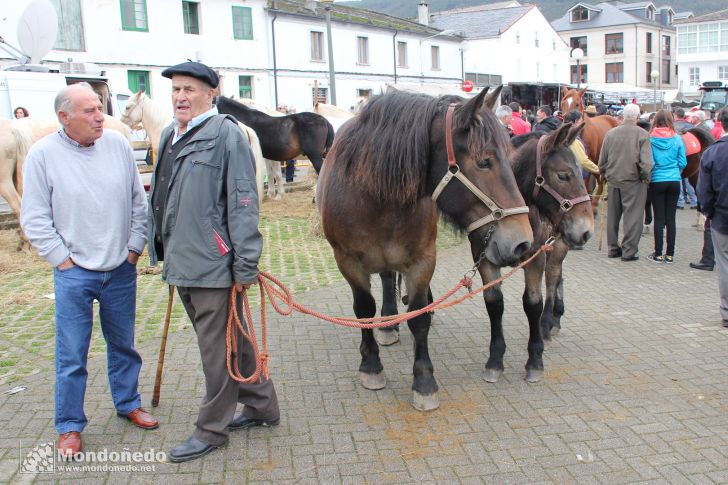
(453,171)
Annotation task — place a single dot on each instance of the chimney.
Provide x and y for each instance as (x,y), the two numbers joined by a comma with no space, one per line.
(423,13)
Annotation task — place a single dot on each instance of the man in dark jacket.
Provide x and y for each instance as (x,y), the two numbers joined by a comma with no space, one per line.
(204,225)
(545,122)
(626,163)
(713,198)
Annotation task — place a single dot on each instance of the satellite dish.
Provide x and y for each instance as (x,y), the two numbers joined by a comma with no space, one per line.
(37,29)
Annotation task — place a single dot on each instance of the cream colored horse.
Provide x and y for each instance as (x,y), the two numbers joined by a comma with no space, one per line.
(16,138)
(143,111)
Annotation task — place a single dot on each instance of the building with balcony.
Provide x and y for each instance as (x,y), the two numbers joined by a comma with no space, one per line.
(622,43)
(702,51)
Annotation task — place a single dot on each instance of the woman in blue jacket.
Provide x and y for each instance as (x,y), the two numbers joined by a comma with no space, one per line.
(668,155)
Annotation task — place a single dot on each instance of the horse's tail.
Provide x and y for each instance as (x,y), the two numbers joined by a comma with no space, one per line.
(23,140)
(329,138)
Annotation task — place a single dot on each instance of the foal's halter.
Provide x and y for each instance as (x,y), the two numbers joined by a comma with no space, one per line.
(453,171)
(565,205)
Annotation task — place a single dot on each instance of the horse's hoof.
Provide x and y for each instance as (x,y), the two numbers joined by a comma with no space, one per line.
(534,375)
(373,382)
(386,337)
(555,330)
(492,375)
(423,402)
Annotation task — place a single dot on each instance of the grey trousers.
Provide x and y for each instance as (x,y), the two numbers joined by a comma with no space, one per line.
(720,245)
(627,202)
(208,310)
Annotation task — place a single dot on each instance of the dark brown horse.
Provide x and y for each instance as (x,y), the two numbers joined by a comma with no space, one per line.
(593,135)
(392,168)
(285,137)
(559,206)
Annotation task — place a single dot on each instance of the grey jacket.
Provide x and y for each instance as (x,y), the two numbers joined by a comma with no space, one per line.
(210,224)
(626,155)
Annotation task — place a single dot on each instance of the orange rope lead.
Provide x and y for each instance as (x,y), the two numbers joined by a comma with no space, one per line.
(284,303)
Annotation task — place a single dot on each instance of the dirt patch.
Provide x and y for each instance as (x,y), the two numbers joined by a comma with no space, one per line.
(298,204)
(14,261)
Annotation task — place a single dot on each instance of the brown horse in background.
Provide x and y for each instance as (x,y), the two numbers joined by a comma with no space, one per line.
(594,131)
(405,158)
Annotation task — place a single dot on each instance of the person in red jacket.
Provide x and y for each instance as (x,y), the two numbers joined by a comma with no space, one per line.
(518,124)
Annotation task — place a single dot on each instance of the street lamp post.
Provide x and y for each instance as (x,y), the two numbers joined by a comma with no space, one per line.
(577,53)
(330,46)
(654,75)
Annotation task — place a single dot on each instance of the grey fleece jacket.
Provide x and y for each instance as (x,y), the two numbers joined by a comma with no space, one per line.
(84,202)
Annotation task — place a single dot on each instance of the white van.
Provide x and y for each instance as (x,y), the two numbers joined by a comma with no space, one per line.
(36,91)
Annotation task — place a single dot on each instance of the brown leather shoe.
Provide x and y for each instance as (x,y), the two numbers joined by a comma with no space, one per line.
(142,419)
(69,443)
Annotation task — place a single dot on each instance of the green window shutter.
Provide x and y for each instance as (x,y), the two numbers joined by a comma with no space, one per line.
(246,87)
(134,15)
(243,23)
(190,17)
(138,81)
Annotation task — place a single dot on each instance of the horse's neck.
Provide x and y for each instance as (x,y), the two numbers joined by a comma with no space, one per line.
(154,119)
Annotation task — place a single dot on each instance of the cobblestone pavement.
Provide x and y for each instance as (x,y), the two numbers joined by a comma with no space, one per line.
(635,391)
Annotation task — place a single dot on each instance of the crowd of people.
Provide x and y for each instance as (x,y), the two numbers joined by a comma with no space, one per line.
(86,211)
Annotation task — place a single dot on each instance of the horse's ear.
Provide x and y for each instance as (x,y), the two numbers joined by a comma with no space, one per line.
(582,91)
(564,90)
(491,98)
(472,108)
(574,132)
(557,137)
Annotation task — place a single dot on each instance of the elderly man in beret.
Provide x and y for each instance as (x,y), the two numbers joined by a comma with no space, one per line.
(204,226)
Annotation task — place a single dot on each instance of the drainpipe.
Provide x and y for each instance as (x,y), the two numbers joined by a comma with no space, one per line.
(636,57)
(275,65)
(394,54)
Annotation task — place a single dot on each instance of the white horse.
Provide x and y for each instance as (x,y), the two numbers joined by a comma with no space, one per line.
(143,111)
(16,138)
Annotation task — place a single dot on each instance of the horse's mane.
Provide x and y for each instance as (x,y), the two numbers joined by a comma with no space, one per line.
(237,108)
(520,140)
(385,149)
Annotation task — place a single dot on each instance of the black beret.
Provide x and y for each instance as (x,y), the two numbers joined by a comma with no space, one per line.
(194,69)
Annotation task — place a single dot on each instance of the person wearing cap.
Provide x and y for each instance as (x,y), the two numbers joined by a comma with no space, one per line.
(84,209)
(204,226)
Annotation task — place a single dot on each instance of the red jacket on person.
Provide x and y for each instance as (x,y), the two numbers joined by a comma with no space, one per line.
(519,126)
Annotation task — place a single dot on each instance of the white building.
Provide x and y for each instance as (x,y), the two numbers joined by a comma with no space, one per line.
(702,51)
(509,43)
(269,50)
(623,43)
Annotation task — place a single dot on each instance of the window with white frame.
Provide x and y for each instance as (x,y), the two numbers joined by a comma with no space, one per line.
(553,44)
(535,38)
(723,73)
(317,46)
(694,76)
(580,14)
(435,57)
(362,50)
(518,37)
(401,54)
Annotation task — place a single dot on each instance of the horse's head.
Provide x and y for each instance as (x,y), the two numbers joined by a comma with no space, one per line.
(470,145)
(571,99)
(132,116)
(561,197)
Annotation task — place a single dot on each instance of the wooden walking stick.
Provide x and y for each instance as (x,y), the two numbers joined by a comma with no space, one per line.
(602,209)
(162,348)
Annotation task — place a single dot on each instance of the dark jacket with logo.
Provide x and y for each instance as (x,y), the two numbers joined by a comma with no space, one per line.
(210,224)
(712,189)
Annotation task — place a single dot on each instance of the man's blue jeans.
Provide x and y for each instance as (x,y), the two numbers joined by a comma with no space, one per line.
(75,290)
(692,198)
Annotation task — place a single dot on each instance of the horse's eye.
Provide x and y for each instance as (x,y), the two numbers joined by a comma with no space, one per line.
(485,163)
(563,176)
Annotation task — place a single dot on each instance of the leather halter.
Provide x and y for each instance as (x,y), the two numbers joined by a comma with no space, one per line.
(453,171)
(565,205)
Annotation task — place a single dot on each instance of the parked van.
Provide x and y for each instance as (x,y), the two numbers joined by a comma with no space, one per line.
(35,88)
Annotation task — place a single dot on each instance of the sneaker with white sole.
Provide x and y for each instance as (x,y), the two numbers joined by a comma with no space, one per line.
(655,258)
